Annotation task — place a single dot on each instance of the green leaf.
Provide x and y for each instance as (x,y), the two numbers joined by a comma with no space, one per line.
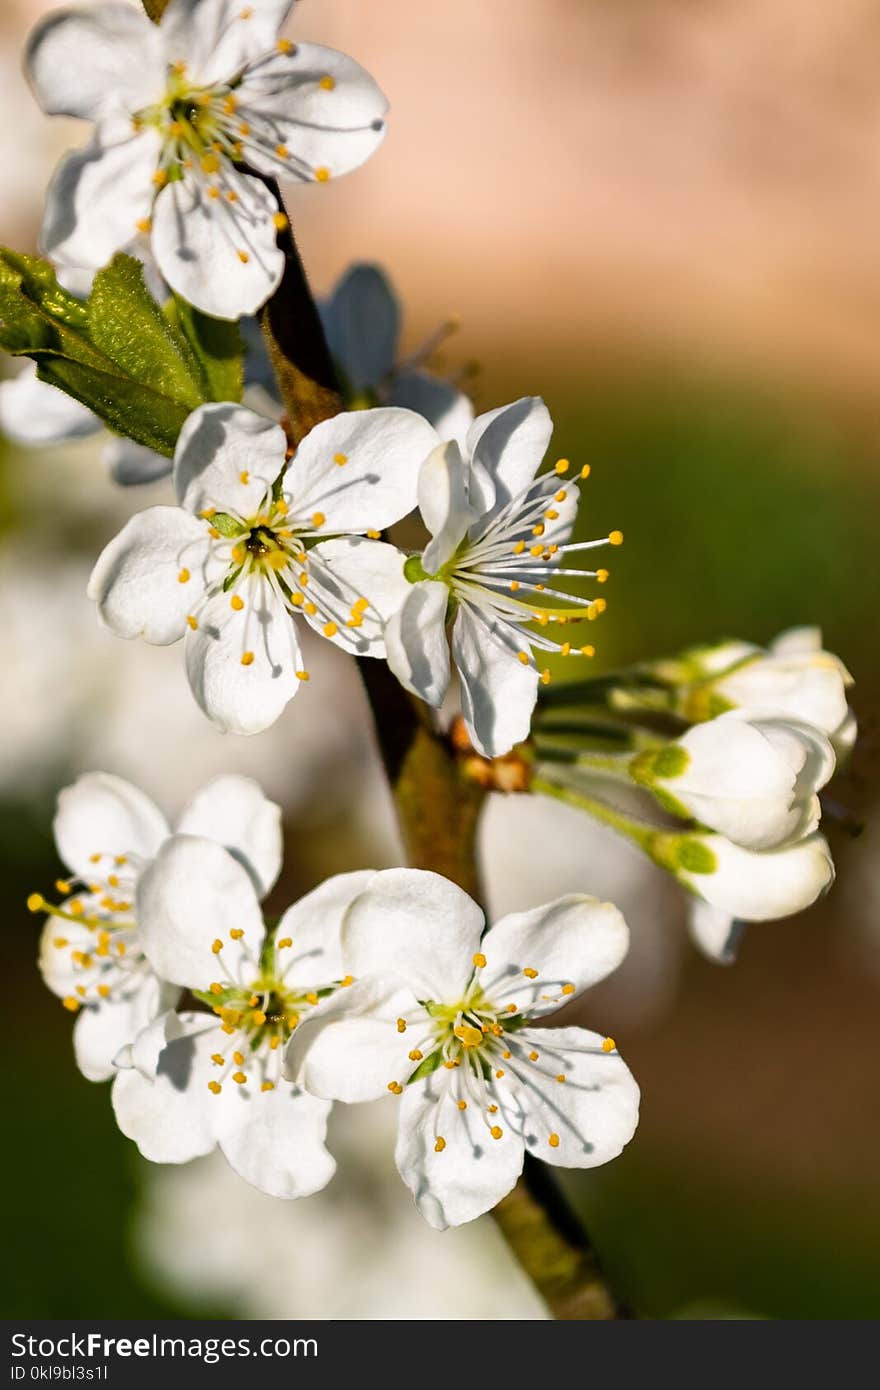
(119,354)
(127,324)
(217,347)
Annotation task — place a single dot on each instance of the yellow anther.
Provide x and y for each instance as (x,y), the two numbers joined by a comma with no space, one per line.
(61,942)
(285,46)
(328,83)
(236,933)
(553,1141)
(462,1104)
(512,1009)
(499,1073)
(81,991)
(103,991)
(374,535)
(36,902)
(440,1144)
(330,629)
(588,650)
(602,576)
(247,658)
(467,1035)
(616,538)
(253,1001)
(218,1059)
(401,1025)
(216,947)
(280,221)
(609,1045)
(192,622)
(284,943)
(318,519)
(395,1088)
(523,657)
(341,459)
(70,1003)
(565,649)
(274,1042)
(322,174)
(344,984)
(175,127)
(268,1086)
(210,163)
(282,151)
(214,533)
(561,495)
(120,859)
(311,998)
(536,551)
(238,1059)
(243,257)
(244,128)
(519,547)
(568,989)
(214,1087)
(230,104)
(310,608)
(533,1056)
(160,178)
(236,602)
(514,585)
(120,948)
(538,529)
(76,908)
(545,676)
(302,675)
(449,1065)
(247,12)
(215,987)
(144,224)
(416,1055)
(496,1131)
(239,1078)
(551,514)
(259,1018)
(561,1077)
(562,466)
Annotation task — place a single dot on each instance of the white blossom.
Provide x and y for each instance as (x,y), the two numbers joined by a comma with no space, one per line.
(499,542)
(750,885)
(91,951)
(180,109)
(752,777)
(196,1081)
(257,538)
(441,1016)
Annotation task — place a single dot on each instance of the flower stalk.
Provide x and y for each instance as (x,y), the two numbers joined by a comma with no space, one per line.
(437,810)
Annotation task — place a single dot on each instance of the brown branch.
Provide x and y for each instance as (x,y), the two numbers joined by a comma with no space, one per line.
(437,809)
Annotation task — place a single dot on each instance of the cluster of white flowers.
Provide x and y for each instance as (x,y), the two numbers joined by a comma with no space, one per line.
(375,982)
(223,1029)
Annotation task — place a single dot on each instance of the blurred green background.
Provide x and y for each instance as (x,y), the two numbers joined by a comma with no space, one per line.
(748,489)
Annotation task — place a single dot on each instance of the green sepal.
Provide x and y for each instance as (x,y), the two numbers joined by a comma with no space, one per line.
(427,1065)
(227,525)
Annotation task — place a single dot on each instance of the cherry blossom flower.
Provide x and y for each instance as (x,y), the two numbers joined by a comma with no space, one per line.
(91,952)
(258,537)
(442,1016)
(193,1081)
(181,110)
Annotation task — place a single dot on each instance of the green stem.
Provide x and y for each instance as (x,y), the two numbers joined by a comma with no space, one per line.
(642,835)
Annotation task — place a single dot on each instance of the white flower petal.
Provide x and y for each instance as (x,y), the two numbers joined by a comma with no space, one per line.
(314,925)
(97,197)
(449,410)
(102,1030)
(360,469)
(593,1112)
(416,644)
(507,446)
(575,941)
(350,1048)
(498,692)
(345,572)
(227,457)
(760,887)
(223,257)
(234,811)
(153,575)
(715,932)
(244,696)
(95,61)
(275,1139)
(416,926)
(132,464)
(320,108)
(444,481)
(361,322)
(35,413)
(193,894)
(174,1117)
(471,1172)
(215,38)
(811,688)
(58,942)
(103,814)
